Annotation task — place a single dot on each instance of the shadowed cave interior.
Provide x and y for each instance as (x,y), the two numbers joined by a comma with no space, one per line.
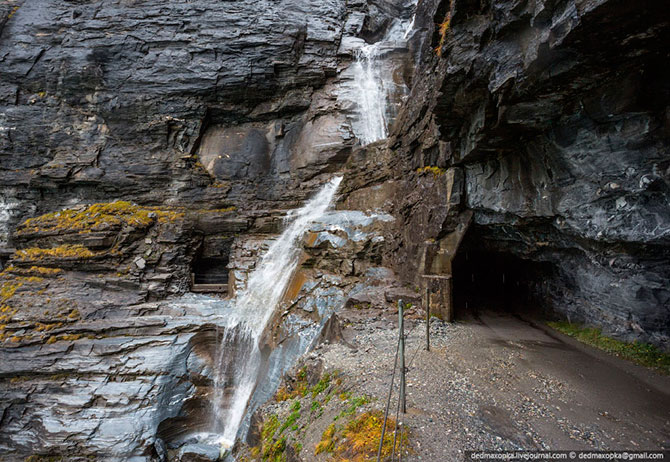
(486,278)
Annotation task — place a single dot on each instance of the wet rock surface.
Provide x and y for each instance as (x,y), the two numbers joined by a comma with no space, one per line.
(94,355)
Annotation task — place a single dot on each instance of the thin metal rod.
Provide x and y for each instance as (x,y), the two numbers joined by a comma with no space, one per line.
(395,431)
(427,318)
(401,326)
(388,403)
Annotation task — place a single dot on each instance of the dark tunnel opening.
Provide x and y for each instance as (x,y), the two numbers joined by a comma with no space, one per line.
(488,278)
(210,275)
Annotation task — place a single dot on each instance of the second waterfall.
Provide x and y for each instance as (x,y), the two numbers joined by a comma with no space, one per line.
(374,81)
(239,358)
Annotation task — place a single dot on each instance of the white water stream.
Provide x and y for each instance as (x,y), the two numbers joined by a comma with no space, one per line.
(374,84)
(239,357)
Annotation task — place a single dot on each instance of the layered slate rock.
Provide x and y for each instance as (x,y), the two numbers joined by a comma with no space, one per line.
(556,114)
(138,140)
(105,100)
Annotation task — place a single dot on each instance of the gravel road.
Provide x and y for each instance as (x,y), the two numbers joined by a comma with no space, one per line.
(497,381)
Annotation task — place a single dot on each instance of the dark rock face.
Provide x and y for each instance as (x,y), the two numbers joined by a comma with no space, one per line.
(209,120)
(556,112)
(101,100)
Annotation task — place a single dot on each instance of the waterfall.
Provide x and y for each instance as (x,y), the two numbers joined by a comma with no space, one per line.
(373,85)
(239,358)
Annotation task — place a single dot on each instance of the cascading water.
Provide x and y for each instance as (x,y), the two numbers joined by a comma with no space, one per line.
(239,357)
(373,85)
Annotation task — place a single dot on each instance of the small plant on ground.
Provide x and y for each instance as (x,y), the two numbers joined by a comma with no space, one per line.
(321,385)
(353,406)
(98,217)
(358,441)
(299,388)
(327,443)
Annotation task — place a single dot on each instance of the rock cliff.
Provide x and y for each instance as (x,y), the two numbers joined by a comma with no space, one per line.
(549,121)
(146,144)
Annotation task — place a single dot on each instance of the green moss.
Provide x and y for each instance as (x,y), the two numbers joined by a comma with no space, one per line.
(640,353)
(292,418)
(271,449)
(316,406)
(270,427)
(298,389)
(322,385)
(353,405)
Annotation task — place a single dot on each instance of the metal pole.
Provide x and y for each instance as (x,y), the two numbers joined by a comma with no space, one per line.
(402,356)
(427,318)
(388,403)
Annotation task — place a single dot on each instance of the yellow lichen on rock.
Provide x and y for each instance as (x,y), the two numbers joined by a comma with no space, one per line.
(436,171)
(43,271)
(98,217)
(69,251)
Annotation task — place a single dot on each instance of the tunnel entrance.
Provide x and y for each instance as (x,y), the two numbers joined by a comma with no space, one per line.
(210,275)
(488,279)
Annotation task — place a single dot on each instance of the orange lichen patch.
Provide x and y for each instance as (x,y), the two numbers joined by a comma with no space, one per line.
(47,327)
(70,337)
(8,270)
(64,251)
(98,217)
(310,239)
(167,216)
(8,289)
(12,12)
(359,441)
(442,30)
